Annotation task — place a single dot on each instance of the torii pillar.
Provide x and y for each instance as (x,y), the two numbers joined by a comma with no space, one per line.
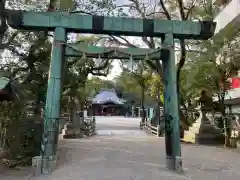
(62,23)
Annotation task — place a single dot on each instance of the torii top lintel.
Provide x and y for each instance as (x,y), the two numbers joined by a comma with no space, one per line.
(78,23)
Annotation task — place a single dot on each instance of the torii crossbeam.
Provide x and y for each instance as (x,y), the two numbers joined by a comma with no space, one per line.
(137,54)
(62,23)
(110,25)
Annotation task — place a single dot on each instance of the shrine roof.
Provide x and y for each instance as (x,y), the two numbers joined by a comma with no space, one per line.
(106,96)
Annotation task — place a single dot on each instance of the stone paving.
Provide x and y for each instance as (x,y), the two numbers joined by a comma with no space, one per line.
(19,173)
(133,155)
(128,158)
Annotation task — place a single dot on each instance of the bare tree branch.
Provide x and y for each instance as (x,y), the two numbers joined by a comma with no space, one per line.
(126,43)
(167,14)
(189,12)
(154,13)
(10,40)
(181,9)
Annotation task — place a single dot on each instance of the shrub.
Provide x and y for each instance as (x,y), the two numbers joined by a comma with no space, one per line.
(23,135)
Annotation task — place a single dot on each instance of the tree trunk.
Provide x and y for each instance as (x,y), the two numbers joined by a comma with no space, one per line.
(227,128)
(71,109)
(158,105)
(38,108)
(3,26)
(142,104)
(179,109)
(227,132)
(82,114)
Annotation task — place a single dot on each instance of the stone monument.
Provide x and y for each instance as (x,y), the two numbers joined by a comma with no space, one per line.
(73,129)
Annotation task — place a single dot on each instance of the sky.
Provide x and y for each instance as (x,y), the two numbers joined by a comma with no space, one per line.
(116,70)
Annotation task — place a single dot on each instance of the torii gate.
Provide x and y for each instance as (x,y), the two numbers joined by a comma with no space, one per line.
(62,24)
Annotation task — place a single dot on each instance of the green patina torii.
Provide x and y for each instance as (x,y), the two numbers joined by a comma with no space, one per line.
(63,23)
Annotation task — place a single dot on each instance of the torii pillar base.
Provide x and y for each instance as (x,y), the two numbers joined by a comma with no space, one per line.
(38,162)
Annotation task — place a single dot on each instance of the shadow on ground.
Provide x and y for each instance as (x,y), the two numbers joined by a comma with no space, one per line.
(15,173)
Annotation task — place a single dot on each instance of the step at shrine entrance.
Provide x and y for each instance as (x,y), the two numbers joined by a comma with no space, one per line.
(62,23)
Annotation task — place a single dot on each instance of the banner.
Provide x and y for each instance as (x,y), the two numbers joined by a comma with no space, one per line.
(235,83)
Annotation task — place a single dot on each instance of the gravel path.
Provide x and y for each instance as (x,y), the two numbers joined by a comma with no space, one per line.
(19,173)
(118,154)
(121,152)
(140,158)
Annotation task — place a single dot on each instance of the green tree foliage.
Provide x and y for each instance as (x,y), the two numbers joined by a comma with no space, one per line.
(135,81)
(128,83)
(94,84)
(210,72)
(27,63)
(22,135)
(169,10)
(156,87)
(75,91)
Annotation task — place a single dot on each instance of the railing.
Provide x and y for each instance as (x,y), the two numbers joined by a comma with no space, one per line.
(152,129)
